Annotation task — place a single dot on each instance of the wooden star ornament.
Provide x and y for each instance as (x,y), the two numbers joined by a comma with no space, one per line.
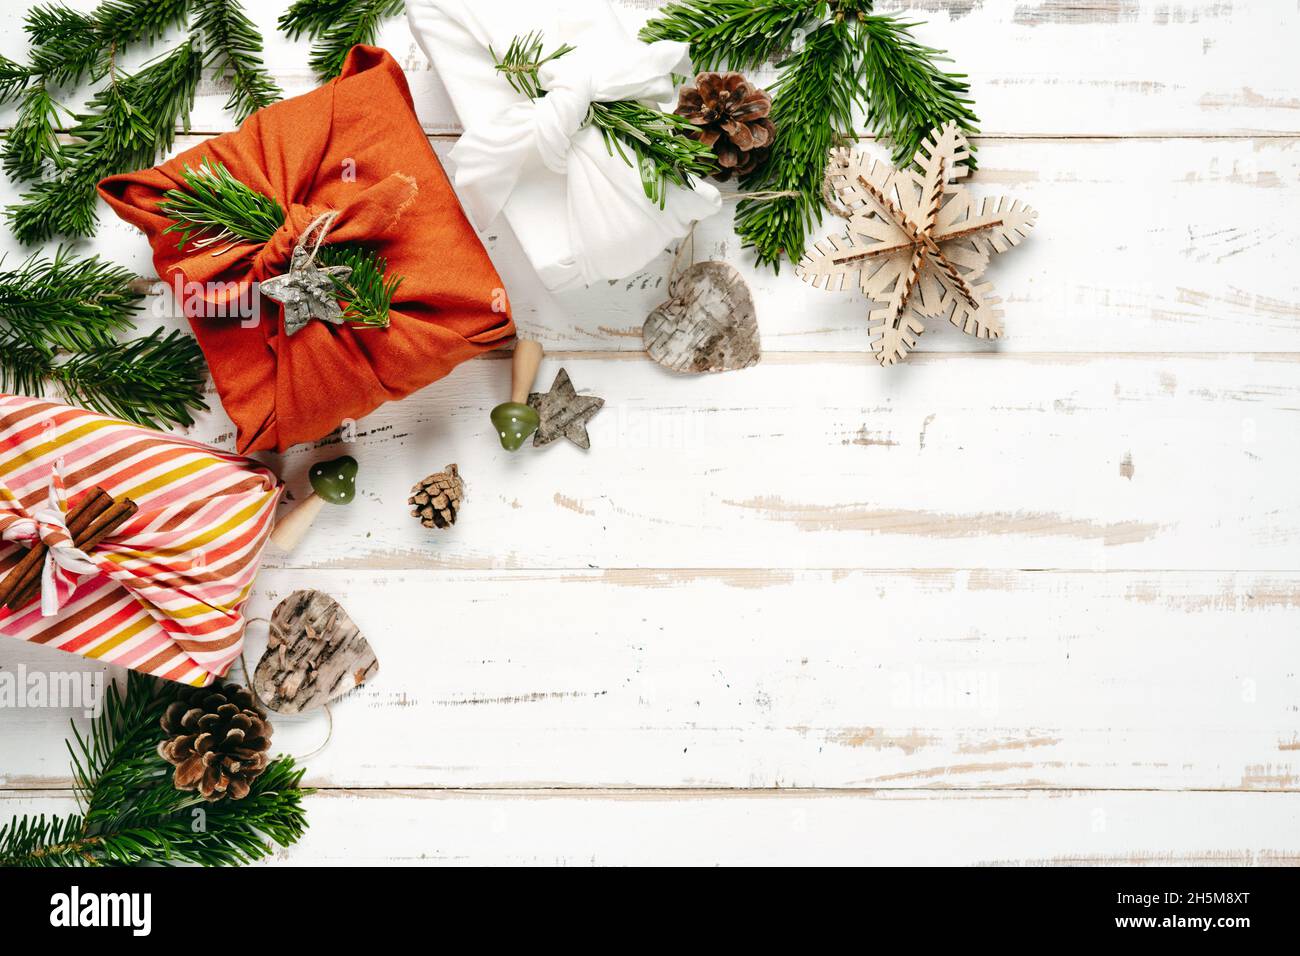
(917,244)
(564,413)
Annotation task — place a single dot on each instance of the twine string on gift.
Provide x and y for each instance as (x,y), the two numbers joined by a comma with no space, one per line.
(319,227)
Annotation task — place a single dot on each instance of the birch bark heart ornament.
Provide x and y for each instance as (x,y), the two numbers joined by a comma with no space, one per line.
(708,325)
(315,654)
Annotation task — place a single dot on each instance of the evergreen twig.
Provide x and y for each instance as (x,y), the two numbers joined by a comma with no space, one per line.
(125,125)
(59,321)
(67,303)
(216,209)
(234,48)
(153,380)
(661,152)
(336,26)
(841,57)
(131,815)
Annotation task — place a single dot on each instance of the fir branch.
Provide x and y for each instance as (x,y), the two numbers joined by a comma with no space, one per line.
(132,815)
(66,303)
(842,57)
(24,367)
(126,125)
(336,26)
(908,95)
(14,78)
(153,381)
(367,294)
(661,152)
(33,142)
(234,48)
(812,104)
(740,34)
(66,45)
(215,209)
(69,45)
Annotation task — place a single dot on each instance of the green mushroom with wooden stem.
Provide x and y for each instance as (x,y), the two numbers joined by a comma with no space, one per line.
(331,481)
(515,420)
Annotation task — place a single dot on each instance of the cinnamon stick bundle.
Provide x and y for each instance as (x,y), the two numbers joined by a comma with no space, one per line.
(95,517)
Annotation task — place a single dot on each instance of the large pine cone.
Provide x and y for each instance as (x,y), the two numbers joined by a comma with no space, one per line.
(730,115)
(217,738)
(437,499)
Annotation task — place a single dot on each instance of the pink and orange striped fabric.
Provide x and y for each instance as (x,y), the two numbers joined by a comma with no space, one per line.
(173,580)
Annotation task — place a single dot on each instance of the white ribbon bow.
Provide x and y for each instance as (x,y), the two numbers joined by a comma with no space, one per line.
(612,228)
(64,562)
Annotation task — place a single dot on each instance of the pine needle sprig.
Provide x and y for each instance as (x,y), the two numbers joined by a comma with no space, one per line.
(367,294)
(33,141)
(740,34)
(125,125)
(907,94)
(66,303)
(661,152)
(216,209)
(842,58)
(59,322)
(336,26)
(154,380)
(234,49)
(812,104)
(130,814)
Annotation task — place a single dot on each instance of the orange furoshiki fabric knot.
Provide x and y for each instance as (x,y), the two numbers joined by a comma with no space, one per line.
(354,146)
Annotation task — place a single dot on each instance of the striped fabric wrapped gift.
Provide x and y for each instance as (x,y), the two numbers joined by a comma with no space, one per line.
(172,581)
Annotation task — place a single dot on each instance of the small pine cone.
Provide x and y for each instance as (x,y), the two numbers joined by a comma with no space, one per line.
(730,115)
(437,499)
(217,738)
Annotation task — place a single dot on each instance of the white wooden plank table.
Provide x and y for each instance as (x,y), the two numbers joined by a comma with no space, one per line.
(1031,602)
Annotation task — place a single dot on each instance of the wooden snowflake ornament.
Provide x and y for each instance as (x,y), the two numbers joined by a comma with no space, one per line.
(917,243)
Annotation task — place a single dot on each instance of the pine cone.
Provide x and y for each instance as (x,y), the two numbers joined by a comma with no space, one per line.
(217,738)
(730,115)
(437,499)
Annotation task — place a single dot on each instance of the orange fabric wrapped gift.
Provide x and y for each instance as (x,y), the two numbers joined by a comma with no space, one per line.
(354,146)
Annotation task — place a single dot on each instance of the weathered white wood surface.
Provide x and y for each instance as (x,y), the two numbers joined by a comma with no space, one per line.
(756,828)
(1069,562)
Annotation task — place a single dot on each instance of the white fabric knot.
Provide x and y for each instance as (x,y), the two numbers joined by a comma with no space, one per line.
(579,210)
(561,113)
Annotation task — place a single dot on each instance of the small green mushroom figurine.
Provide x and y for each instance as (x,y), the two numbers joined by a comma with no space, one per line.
(515,420)
(333,481)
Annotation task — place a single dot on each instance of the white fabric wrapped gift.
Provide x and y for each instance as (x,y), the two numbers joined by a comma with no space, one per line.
(581,214)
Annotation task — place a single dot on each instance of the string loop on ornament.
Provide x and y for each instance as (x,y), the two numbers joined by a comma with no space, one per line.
(320,226)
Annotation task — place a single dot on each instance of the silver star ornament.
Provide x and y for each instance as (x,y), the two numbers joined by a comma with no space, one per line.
(307,292)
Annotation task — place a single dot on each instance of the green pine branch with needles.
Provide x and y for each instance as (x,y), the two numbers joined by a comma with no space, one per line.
(657,142)
(217,210)
(337,26)
(60,321)
(132,118)
(835,57)
(130,814)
